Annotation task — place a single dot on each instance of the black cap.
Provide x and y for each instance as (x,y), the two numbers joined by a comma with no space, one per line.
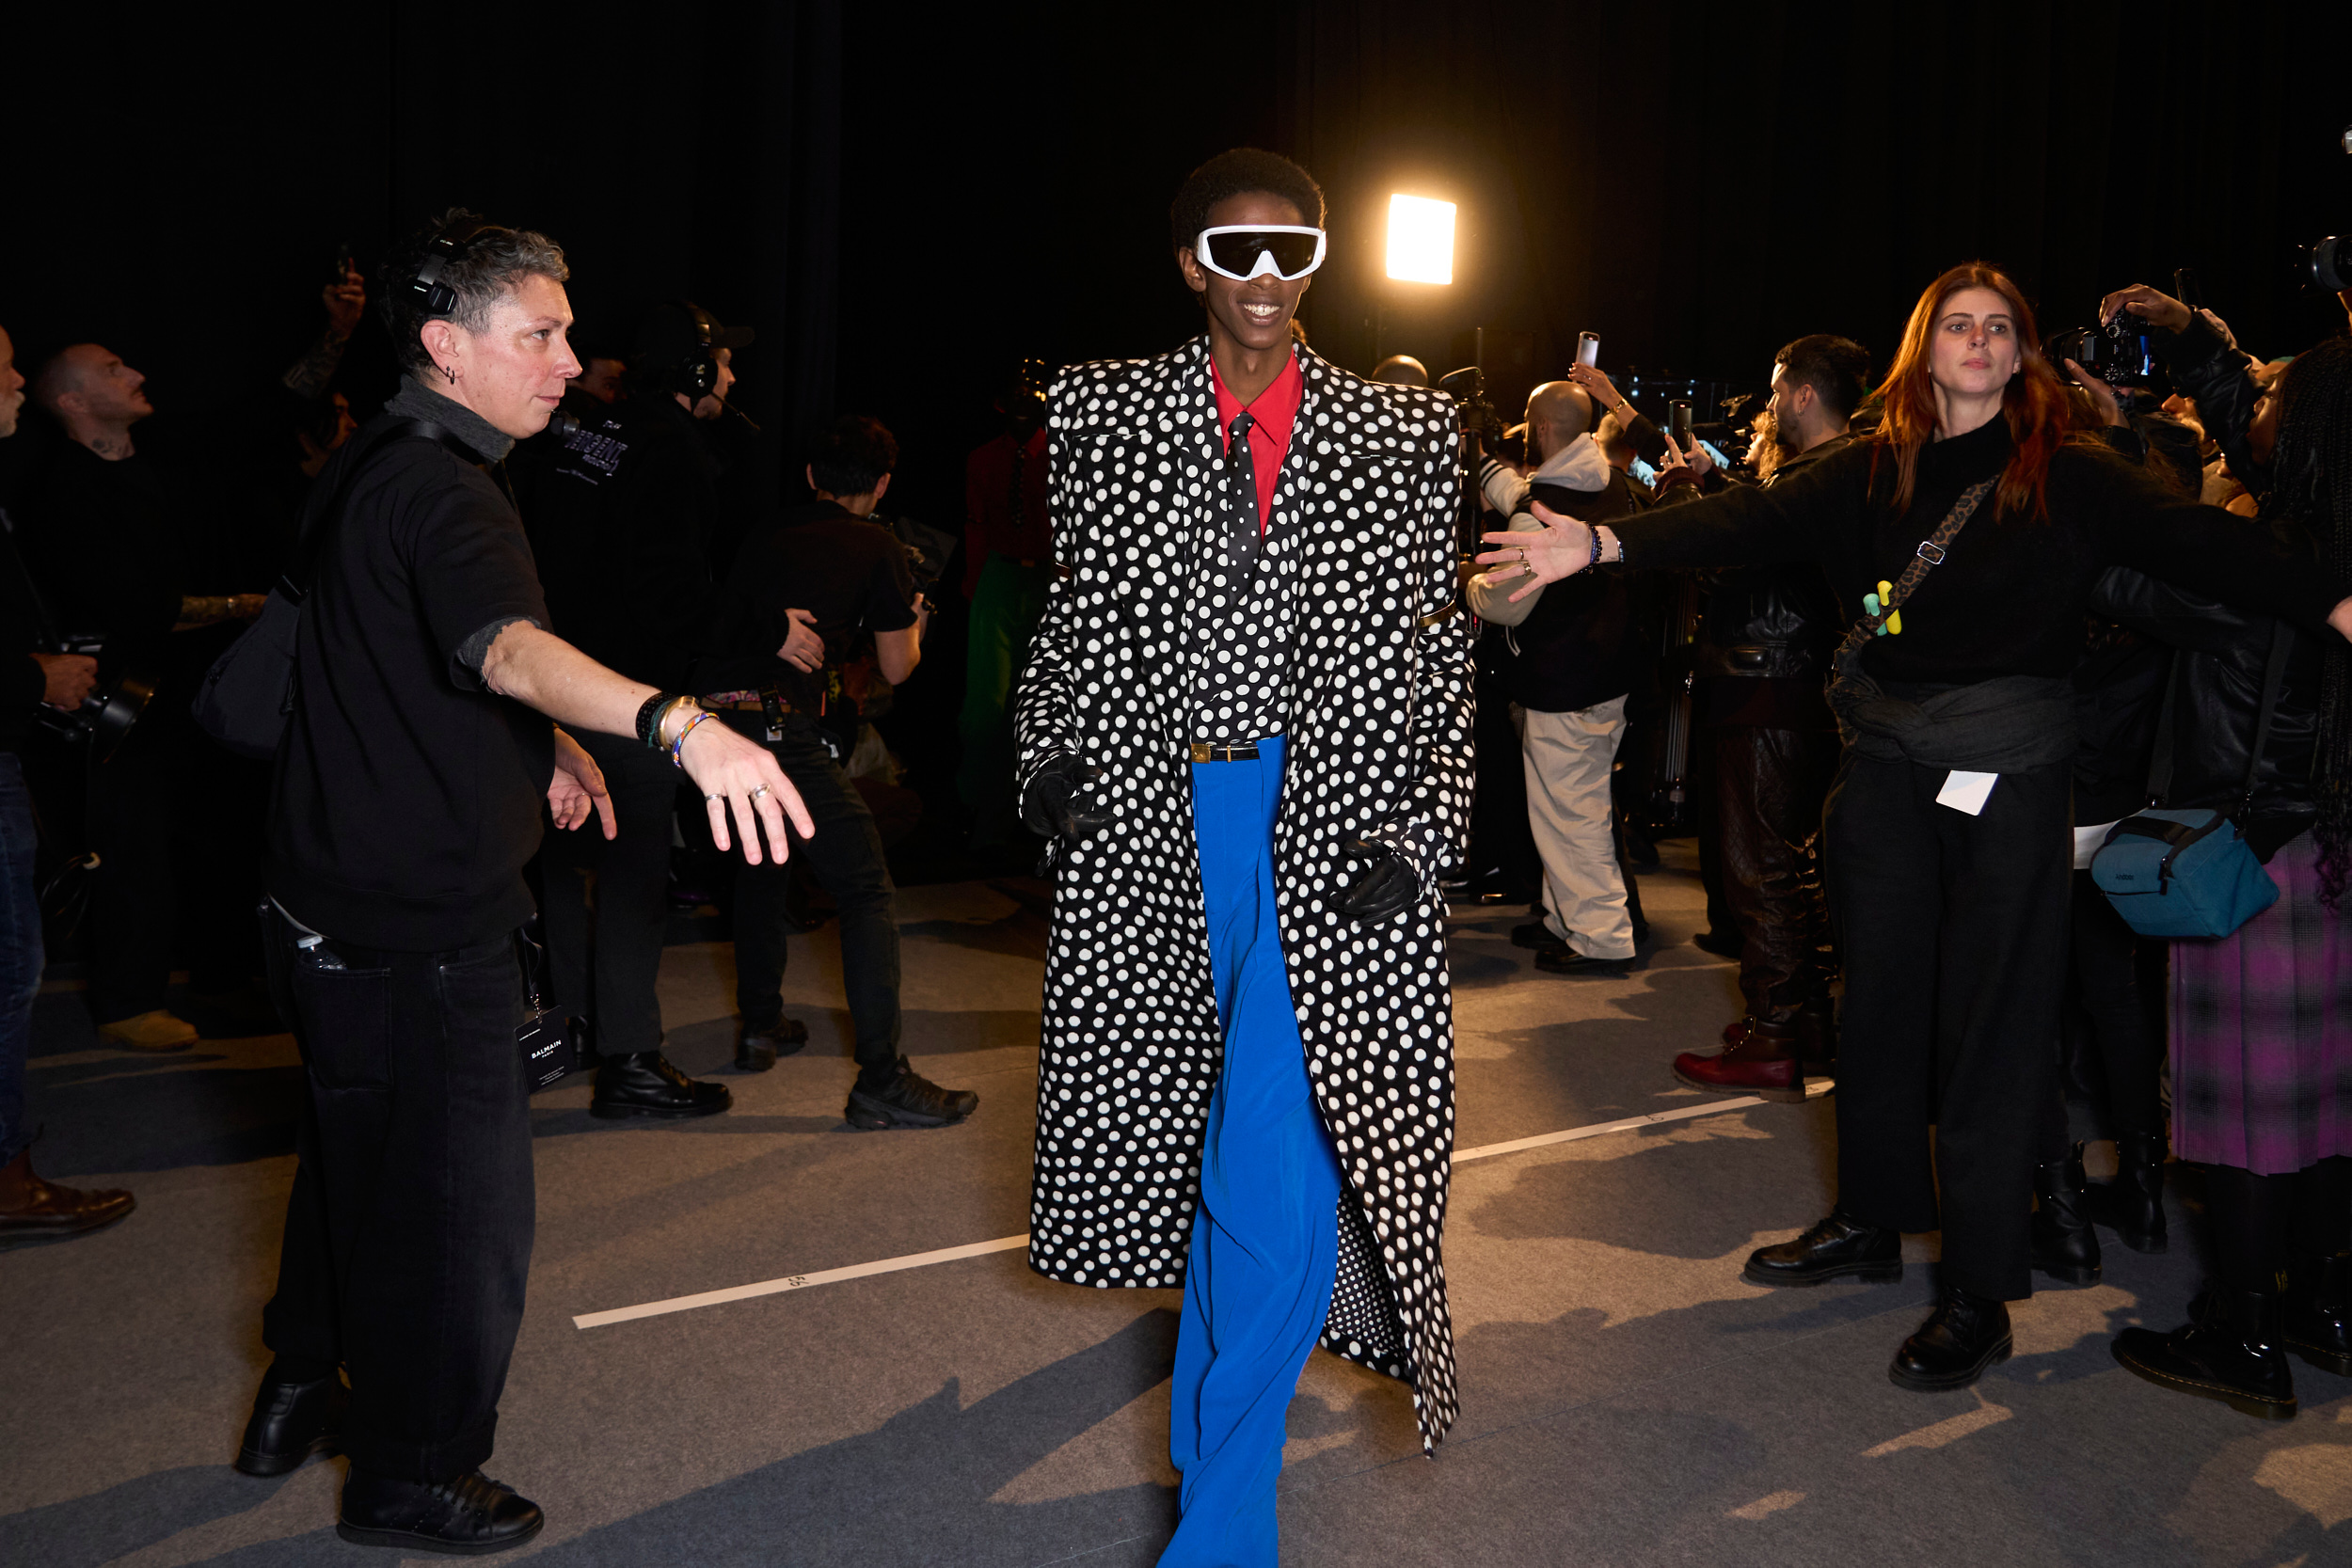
(675,329)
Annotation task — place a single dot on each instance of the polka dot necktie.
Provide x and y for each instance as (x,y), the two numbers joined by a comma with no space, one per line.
(1241,489)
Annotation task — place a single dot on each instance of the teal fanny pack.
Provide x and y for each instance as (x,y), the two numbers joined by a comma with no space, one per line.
(2189,872)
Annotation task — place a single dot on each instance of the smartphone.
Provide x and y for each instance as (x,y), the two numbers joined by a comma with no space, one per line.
(1678,416)
(345,264)
(2185,287)
(1588,348)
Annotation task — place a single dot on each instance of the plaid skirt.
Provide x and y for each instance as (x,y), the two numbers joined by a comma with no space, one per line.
(2261,1034)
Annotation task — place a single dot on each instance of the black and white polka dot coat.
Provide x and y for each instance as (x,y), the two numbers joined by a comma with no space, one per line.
(1379,739)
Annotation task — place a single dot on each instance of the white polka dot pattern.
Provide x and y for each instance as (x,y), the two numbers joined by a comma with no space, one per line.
(1379,738)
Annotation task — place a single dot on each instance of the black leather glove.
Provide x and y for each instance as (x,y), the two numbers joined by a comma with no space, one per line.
(1045,805)
(1387,887)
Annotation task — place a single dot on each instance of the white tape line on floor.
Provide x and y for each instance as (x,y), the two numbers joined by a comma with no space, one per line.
(1006,1243)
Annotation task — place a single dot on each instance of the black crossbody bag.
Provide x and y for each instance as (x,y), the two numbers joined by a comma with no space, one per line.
(249,693)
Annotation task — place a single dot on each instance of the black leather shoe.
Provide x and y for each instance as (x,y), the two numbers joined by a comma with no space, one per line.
(1567,960)
(2132,1205)
(1835,1247)
(1534,935)
(647,1083)
(2065,1246)
(291,1422)
(2318,1318)
(2231,1352)
(465,1517)
(756,1050)
(1962,1338)
(911,1100)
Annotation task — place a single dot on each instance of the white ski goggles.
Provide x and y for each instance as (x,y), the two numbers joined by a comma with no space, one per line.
(1245,250)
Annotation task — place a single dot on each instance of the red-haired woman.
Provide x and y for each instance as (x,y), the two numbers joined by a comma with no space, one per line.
(1949,850)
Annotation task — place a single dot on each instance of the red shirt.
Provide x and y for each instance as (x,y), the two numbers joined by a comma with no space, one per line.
(988,509)
(1275,412)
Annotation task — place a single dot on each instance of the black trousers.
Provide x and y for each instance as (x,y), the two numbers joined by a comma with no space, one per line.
(130,901)
(605,903)
(846,857)
(2105,981)
(1955,936)
(408,1231)
(1768,788)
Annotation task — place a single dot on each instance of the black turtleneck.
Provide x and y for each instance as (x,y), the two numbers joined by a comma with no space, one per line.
(2010,596)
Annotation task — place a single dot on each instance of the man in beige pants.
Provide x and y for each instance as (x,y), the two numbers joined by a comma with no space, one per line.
(1574,662)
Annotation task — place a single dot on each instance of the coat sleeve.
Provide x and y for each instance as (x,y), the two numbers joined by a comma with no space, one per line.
(1433,824)
(1045,721)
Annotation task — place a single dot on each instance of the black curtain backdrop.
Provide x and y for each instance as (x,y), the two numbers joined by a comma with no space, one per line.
(904,199)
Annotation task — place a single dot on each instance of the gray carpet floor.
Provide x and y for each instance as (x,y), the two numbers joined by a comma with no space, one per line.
(1626,1399)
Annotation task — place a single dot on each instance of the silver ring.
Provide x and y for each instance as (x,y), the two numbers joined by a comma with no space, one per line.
(760,791)
(714,796)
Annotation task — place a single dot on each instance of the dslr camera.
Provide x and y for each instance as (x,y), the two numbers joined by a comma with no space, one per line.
(106,714)
(1476,416)
(2117,351)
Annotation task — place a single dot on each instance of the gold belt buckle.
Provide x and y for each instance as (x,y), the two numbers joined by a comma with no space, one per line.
(1202,752)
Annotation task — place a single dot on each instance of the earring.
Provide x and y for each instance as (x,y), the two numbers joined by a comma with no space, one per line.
(449,370)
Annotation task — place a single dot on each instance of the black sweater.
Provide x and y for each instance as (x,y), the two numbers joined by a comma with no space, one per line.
(2010,596)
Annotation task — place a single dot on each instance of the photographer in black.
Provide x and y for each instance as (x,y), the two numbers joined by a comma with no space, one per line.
(408,799)
(30,1209)
(618,507)
(826,560)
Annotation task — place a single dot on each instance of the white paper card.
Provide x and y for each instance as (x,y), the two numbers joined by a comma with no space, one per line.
(1966,791)
(2088,842)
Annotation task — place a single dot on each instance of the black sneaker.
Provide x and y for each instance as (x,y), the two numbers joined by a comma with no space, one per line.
(465,1517)
(756,1050)
(910,1101)
(647,1083)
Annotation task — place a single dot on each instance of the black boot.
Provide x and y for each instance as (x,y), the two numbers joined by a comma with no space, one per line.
(2318,1322)
(2132,1205)
(2065,1246)
(1835,1247)
(467,1517)
(647,1083)
(1962,1338)
(2230,1353)
(756,1050)
(292,1421)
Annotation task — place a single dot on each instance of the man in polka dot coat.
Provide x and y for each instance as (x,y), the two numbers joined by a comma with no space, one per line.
(1376,693)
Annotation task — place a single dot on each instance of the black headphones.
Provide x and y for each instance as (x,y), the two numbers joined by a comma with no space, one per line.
(446,247)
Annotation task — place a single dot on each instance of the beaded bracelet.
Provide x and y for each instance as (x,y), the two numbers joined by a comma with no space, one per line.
(1594,528)
(677,746)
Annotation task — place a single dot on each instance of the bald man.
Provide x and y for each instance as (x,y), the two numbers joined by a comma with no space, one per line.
(1575,665)
(104,536)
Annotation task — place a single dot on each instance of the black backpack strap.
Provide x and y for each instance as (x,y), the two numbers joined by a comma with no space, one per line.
(2274,679)
(296,579)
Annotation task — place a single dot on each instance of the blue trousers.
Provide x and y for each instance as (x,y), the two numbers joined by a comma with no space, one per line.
(1265,1240)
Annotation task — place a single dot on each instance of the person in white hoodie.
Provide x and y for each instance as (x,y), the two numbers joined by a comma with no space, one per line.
(1577,660)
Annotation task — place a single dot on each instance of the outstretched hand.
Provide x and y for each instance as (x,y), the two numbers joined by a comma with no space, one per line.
(1045,805)
(2152,305)
(1563,549)
(740,775)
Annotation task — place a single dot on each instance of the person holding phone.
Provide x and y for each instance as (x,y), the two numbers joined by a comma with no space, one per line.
(1947,826)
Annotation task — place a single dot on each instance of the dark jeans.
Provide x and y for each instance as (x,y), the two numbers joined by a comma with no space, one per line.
(20,951)
(606,902)
(2105,977)
(846,858)
(408,1232)
(1769,790)
(1954,929)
